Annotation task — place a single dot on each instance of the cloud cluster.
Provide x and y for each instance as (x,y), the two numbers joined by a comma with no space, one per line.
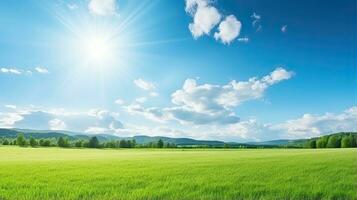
(307,126)
(103,7)
(10,70)
(310,125)
(206,17)
(13,70)
(211,104)
(102,121)
(59,119)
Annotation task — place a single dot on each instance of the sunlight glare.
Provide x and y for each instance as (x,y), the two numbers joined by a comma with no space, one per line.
(97,49)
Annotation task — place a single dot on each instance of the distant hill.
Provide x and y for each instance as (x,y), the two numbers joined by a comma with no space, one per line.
(301,142)
(278,142)
(140,139)
(143,139)
(12,133)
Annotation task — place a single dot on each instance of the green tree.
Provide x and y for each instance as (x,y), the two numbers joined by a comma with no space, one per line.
(110,144)
(353,140)
(334,142)
(61,142)
(321,142)
(133,143)
(45,142)
(20,140)
(122,143)
(346,142)
(93,142)
(312,144)
(33,142)
(5,142)
(78,143)
(160,143)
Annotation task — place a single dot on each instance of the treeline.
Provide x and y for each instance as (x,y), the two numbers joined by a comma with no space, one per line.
(93,142)
(341,140)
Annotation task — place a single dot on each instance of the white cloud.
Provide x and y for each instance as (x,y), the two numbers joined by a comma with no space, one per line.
(154,94)
(57,124)
(310,125)
(243,39)
(7,120)
(41,70)
(277,75)
(103,121)
(211,104)
(205,17)
(153,113)
(119,101)
(284,28)
(10,106)
(209,97)
(141,99)
(59,119)
(10,70)
(307,126)
(229,29)
(103,7)
(145,85)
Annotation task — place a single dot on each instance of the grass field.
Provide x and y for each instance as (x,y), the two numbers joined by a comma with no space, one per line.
(52,173)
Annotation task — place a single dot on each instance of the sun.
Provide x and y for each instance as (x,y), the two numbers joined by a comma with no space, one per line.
(97,49)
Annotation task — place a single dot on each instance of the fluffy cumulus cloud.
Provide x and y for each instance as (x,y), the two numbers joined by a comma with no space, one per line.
(59,119)
(229,29)
(102,7)
(211,104)
(8,119)
(205,17)
(209,97)
(310,125)
(145,85)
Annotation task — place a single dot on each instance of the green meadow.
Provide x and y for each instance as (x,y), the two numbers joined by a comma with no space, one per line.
(54,173)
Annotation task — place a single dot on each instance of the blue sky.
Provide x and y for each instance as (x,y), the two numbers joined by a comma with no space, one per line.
(228,70)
